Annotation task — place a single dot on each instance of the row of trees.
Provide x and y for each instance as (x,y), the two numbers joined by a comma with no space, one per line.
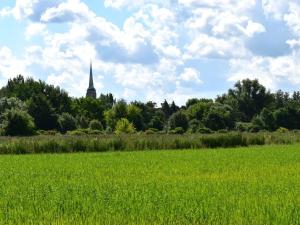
(27,105)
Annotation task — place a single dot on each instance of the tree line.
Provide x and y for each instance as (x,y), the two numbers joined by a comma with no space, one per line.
(28,107)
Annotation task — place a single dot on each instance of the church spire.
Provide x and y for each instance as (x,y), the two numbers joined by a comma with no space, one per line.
(91,84)
(91,91)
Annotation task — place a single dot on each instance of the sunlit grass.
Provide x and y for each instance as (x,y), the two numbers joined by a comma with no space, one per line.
(258,185)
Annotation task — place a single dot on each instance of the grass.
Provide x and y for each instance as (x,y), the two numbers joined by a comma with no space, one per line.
(257,185)
(140,141)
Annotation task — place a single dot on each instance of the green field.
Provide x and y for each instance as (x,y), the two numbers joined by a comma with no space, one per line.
(257,185)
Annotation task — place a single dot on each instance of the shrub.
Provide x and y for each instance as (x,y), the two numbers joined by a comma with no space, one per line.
(223,131)
(124,126)
(254,128)
(66,122)
(151,131)
(243,127)
(82,122)
(205,130)
(194,126)
(17,123)
(282,130)
(95,132)
(179,119)
(96,125)
(77,132)
(177,130)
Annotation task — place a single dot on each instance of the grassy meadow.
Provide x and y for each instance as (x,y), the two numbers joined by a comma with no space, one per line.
(254,185)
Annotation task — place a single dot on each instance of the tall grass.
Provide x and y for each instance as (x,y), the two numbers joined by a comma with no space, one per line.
(133,142)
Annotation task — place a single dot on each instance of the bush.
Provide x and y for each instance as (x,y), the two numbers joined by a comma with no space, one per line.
(243,127)
(96,125)
(82,122)
(66,122)
(95,132)
(151,131)
(255,128)
(77,132)
(222,131)
(17,123)
(177,130)
(124,126)
(179,119)
(205,130)
(282,130)
(194,126)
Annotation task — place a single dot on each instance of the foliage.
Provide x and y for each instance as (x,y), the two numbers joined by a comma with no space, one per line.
(249,97)
(39,107)
(66,122)
(88,108)
(134,115)
(82,122)
(96,125)
(204,130)
(243,127)
(158,121)
(219,117)
(177,130)
(124,126)
(179,119)
(282,130)
(25,89)
(11,103)
(248,107)
(17,123)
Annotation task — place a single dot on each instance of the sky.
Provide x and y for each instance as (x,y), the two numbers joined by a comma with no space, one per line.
(151,50)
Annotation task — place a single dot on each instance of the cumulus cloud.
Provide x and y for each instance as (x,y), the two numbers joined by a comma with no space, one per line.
(72,10)
(191,75)
(11,65)
(157,51)
(269,71)
(34,29)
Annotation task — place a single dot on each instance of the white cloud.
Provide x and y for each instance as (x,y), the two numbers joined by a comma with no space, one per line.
(68,11)
(5,12)
(190,75)
(11,66)
(270,71)
(34,29)
(205,46)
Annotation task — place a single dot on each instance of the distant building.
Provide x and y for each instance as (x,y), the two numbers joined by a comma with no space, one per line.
(91,91)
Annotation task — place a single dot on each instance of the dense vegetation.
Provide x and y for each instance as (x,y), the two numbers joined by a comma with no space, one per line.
(259,185)
(28,106)
(138,142)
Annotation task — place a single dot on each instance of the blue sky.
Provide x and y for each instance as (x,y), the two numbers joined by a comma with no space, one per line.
(151,49)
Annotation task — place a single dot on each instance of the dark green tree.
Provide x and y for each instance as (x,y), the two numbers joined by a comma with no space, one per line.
(39,107)
(249,97)
(179,119)
(158,121)
(219,117)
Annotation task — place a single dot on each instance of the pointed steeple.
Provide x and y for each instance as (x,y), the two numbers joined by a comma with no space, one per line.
(91,84)
(91,91)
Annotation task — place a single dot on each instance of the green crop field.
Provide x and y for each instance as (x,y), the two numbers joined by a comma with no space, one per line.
(257,185)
